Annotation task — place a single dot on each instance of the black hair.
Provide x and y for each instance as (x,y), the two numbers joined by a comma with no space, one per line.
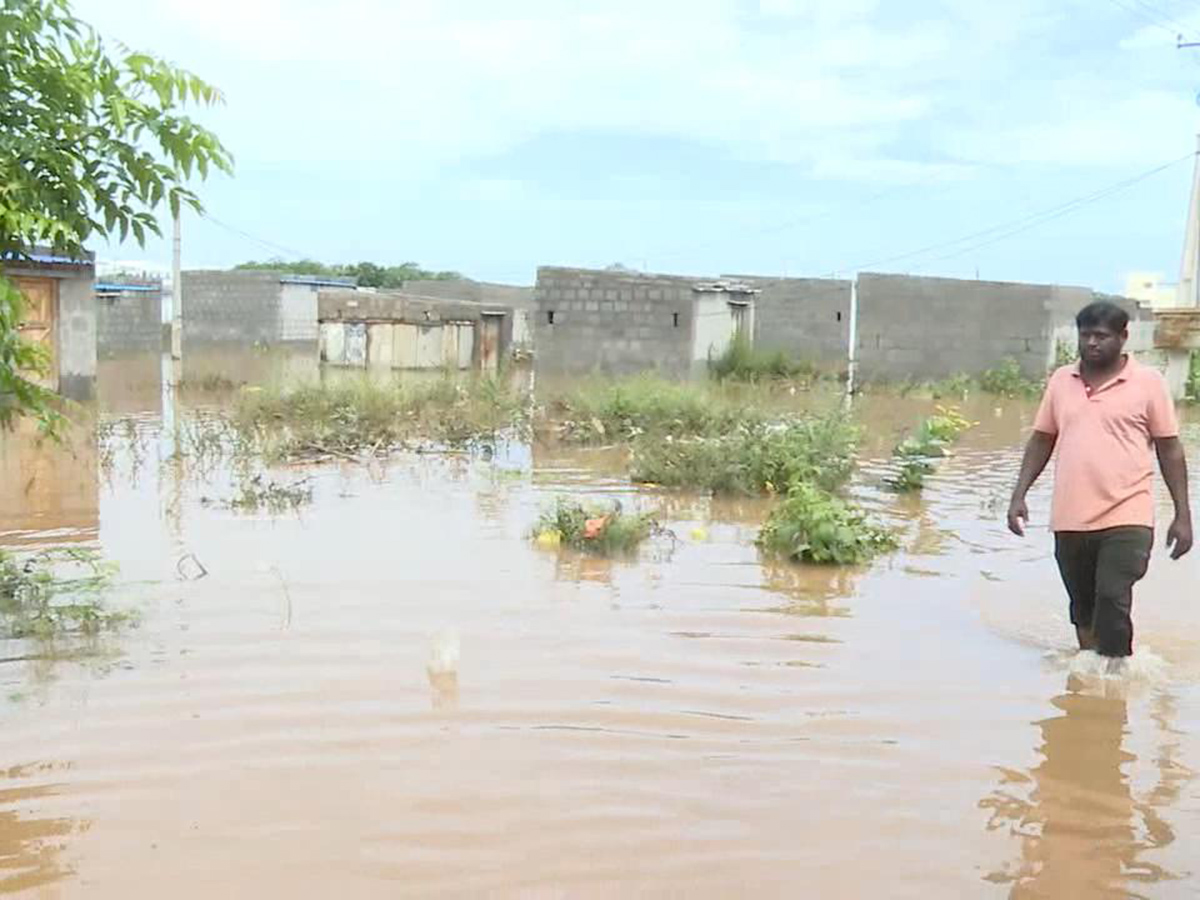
(1104,314)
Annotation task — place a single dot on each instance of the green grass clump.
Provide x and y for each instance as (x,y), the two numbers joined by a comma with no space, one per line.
(605,530)
(741,361)
(754,459)
(347,419)
(1065,353)
(606,412)
(55,593)
(1007,380)
(812,525)
(930,441)
(1192,388)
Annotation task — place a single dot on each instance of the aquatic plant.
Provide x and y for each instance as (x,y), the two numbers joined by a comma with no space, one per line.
(605,530)
(930,441)
(599,412)
(741,361)
(366,417)
(814,526)
(53,593)
(1007,380)
(754,459)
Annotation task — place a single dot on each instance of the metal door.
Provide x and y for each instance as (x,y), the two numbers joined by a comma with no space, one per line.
(489,343)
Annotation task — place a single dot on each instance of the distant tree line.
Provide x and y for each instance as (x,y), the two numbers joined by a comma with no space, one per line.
(369,274)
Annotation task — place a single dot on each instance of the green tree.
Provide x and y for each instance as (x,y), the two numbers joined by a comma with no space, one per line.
(92,142)
(369,274)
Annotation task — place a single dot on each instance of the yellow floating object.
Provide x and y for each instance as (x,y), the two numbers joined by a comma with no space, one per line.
(548,539)
(699,534)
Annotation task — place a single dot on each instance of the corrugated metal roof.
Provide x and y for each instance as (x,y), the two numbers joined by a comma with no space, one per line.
(317,281)
(45,258)
(102,286)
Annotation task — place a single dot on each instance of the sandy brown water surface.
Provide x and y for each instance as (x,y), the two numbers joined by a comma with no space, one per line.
(391,692)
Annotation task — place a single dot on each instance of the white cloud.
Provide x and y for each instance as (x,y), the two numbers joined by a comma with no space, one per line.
(856,87)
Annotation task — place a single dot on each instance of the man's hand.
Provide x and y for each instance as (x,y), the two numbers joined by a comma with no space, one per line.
(1018,515)
(1179,537)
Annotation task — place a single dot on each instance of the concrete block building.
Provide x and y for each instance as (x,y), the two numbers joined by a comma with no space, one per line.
(518,298)
(129,316)
(387,330)
(616,321)
(252,307)
(60,315)
(915,327)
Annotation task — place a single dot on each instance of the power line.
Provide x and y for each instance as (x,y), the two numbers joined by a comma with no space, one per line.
(1141,14)
(1116,189)
(265,243)
(1161,15)
(1006,229)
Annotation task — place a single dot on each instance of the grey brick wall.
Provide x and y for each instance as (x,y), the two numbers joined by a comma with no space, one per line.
(910,327)
(235,307)
(809,318)
(127,322)
(612,322)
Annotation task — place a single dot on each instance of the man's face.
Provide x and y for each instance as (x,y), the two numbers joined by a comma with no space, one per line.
(1100,346)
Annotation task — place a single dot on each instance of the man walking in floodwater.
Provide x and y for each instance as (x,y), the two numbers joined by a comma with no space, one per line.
(1103,415)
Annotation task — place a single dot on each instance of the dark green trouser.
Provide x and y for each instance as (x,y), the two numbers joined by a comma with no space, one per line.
(1099,569)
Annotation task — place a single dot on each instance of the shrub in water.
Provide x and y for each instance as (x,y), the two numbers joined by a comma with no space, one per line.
(754,459)
(645,404)
(928,442)
(605,530)
(55,593)
(814,526)
(742,362)
(1008,380)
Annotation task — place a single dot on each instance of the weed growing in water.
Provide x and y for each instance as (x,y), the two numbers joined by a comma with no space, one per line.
(605,530)
(366,417)
(259,493)
(741,361)
(1007,380)
(607,412)
(814,526)
(54,593)
(754,459)
(930,441)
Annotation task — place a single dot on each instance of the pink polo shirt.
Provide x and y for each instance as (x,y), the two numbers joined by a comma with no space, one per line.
(1104,470)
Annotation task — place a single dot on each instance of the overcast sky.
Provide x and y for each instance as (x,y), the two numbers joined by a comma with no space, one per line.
(697,136)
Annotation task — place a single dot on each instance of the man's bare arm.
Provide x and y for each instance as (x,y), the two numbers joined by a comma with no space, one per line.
(1037,453)
(1173,462)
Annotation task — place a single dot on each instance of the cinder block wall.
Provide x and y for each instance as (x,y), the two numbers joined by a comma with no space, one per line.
(612,322)
(298,312)
(912,327)
(808,318)
(234,307)
(129,322)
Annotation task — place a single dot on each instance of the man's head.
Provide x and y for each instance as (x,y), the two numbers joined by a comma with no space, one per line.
(1103,330)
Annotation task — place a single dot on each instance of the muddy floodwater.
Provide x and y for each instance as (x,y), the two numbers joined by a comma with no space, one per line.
(390,691)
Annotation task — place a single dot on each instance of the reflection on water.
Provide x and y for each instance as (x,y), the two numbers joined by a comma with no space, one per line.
(1083,832)
(31,847)
(700,720)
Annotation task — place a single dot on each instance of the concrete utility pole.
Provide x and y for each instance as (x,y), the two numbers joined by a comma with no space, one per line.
(852,350)
(1189,283)
(176,299)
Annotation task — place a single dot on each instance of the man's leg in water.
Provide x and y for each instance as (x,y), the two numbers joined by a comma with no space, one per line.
(1122,557)
(1076,554)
